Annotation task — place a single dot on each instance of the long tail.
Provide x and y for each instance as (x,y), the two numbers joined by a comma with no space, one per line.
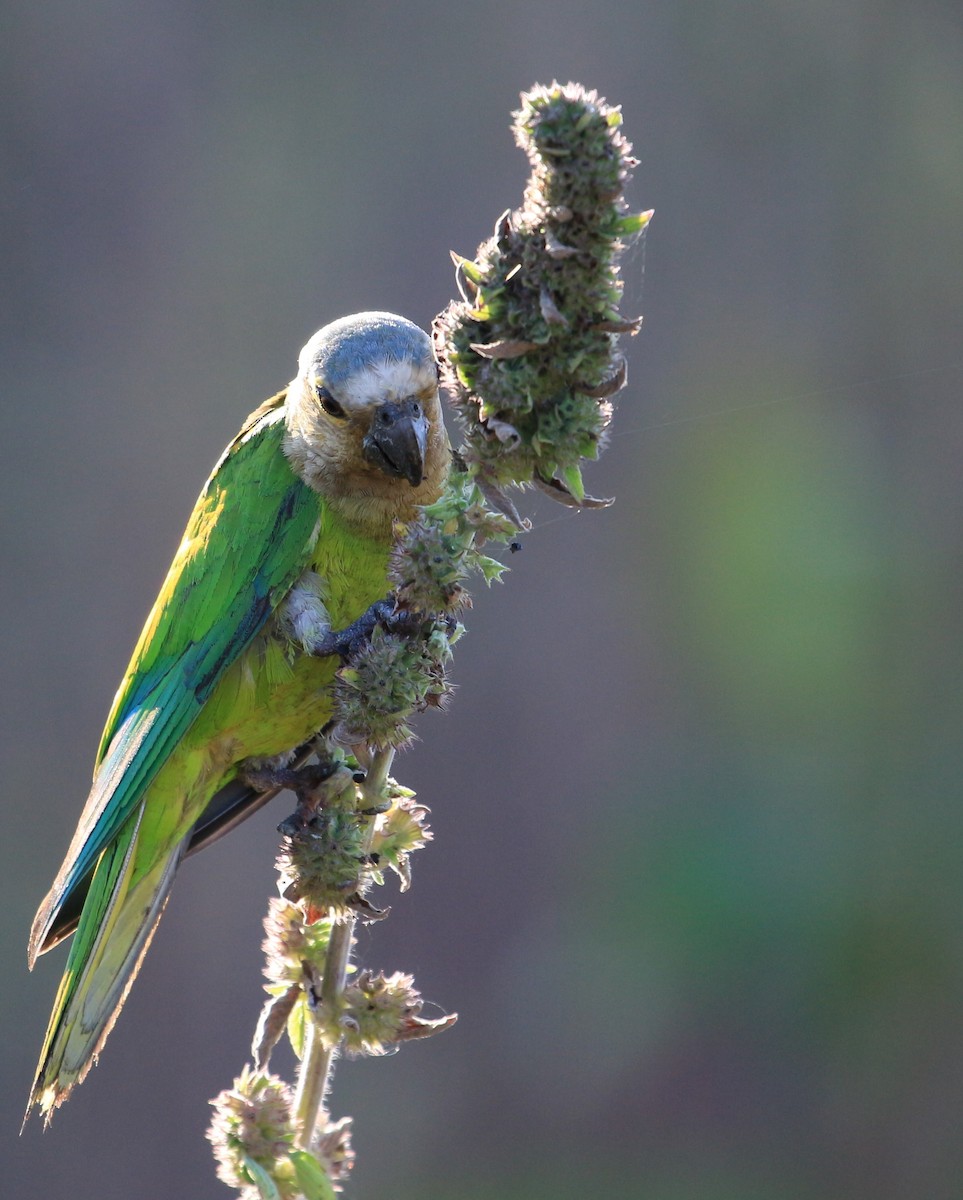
(118,920)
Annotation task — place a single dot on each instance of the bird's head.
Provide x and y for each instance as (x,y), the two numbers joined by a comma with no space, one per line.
(364,419)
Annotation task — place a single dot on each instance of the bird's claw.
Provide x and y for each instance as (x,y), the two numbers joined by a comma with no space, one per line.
(303,781)
(346,642)
(300,780)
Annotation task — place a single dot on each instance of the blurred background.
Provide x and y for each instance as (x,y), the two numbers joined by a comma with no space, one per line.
(695,889)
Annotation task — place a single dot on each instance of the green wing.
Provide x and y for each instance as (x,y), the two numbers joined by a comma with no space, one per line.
(246,543)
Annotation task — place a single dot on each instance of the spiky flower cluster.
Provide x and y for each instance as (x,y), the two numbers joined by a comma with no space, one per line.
(443,546)
(252,1133)
(289,941)
(251,1130)
(376,1007)
(380,1011)
(390,678)
(399,832)
(529,353)
(322,864)
(400,673)
(332,1147)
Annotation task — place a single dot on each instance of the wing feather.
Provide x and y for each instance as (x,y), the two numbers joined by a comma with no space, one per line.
(246,543)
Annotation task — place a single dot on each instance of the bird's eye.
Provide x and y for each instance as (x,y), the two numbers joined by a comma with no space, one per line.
(328,402)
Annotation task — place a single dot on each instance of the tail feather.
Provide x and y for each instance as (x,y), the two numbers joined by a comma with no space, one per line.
(116,926)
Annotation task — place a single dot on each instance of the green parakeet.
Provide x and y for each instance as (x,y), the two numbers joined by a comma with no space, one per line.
(288,541)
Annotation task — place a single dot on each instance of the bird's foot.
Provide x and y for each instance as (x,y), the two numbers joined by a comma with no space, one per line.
(347,641)
(296,779)
(304,781)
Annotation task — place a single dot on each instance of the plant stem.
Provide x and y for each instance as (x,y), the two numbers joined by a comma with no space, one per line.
(316,1065)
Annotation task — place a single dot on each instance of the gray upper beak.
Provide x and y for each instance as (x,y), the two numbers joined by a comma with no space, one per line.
(397,440)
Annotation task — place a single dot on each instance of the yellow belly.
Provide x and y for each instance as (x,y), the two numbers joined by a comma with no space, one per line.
(270,699)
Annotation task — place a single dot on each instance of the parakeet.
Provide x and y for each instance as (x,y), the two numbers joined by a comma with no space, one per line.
(288,541)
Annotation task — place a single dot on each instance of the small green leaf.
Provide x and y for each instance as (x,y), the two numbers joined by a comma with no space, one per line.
(297,1023)
(572,478)
(635,222)
(312,1180)
(272,1022)
(472,270)
(265,1185)
(490,568)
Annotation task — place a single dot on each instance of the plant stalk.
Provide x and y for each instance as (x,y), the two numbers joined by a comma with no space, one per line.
(316,1065)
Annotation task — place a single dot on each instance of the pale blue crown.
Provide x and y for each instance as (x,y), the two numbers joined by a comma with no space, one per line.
(341,350)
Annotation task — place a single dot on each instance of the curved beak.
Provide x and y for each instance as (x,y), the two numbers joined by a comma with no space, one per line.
(397,440)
